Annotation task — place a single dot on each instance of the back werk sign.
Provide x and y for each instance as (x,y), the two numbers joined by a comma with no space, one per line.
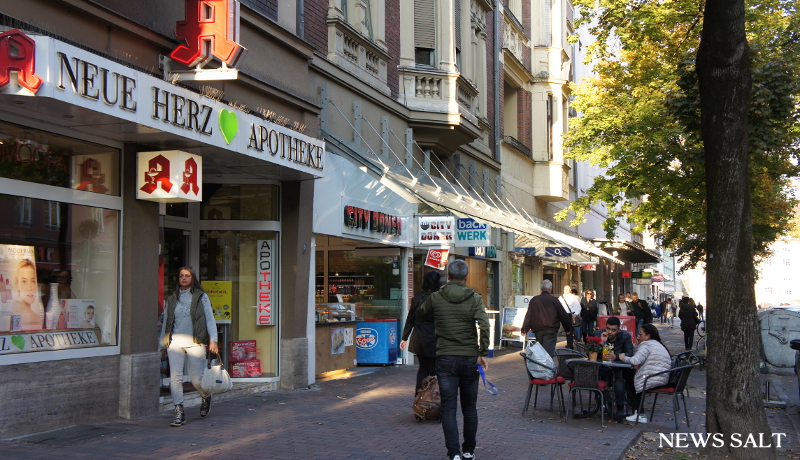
(54,69)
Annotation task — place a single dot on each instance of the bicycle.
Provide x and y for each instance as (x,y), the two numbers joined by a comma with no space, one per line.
(701,330)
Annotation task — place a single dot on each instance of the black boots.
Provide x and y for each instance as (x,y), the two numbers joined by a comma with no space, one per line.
(180,417)
(205,406)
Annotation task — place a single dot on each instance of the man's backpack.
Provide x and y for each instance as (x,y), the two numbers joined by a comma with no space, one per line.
(428,401)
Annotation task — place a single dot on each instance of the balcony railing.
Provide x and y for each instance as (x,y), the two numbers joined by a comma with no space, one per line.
(514,143)
(357,54)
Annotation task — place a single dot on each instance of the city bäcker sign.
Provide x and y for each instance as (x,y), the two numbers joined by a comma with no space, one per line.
(170,176)
(436,230)
(46,341)
(374,221)
(53,69)
(265,279)
(472,233)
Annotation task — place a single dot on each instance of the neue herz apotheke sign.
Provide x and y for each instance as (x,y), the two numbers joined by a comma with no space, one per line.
(81,78)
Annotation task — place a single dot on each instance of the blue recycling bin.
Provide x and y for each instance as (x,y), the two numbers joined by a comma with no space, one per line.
(376,341)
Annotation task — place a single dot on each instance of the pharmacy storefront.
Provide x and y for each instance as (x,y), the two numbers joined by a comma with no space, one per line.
(112,179)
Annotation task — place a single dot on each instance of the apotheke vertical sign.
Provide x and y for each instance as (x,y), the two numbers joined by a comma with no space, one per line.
(265,277)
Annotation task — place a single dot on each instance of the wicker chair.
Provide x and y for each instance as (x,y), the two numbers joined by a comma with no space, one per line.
(561,356)
(586,377)
(675,389)
(556,381)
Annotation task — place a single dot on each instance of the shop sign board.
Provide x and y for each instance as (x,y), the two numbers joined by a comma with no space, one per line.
(374,221)
(46,341)
(169,176)
(54,69)
(266,275)
(471,233)
(658,278)
(437,258)
(436,230)
(557,251)
(512,323)
(589,267)
(626,273)
(486,252)
(526,251)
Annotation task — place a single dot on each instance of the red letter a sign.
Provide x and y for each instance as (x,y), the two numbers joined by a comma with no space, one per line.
(18,53)
(211,29)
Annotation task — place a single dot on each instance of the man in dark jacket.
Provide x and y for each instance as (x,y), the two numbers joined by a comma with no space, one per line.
(588,313)
(456,308)
(641,311)
(543,317)
(621,341)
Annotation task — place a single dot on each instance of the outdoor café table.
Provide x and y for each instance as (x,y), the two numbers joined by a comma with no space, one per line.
(609,405)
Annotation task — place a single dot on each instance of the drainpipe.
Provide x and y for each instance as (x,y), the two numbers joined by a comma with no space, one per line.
(498,140)
(301,19)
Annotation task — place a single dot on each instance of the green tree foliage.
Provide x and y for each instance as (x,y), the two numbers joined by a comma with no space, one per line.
(641,119)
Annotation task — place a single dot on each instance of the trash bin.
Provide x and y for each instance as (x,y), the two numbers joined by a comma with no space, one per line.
(779,326)
(376,341)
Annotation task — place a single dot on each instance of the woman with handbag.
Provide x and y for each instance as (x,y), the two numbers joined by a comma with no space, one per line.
(423,339)
(188,327)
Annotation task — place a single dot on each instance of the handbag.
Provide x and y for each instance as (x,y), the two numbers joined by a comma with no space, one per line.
(215,378)
(542,367)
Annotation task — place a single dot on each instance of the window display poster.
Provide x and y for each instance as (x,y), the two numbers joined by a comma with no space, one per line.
(348,337)
(220,293)
(337,340)
(21,306)
(512,323)
(80,313)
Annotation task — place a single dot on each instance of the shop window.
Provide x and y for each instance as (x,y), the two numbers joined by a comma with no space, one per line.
(24,215)
(370,283)
(58,290)
(45,158)
(239,272)
(239,202)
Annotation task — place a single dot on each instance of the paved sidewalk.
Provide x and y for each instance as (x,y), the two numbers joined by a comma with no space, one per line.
(368,416)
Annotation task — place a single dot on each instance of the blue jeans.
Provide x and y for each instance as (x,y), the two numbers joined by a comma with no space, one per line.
(458,373)
(639,324)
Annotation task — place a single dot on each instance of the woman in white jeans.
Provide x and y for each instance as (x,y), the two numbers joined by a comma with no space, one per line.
(188,327)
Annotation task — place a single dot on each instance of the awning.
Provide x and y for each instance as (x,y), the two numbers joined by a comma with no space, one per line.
(446,196)
(628,251)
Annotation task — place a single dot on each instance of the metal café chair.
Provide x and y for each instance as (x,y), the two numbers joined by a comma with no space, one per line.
(556,381)
(586,377)
(676,385)
(561,357)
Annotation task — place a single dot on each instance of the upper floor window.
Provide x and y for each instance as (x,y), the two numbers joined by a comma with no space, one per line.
(424,32)
(787,262)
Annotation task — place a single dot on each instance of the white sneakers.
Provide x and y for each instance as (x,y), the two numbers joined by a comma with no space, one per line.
(468,456)
(632,418)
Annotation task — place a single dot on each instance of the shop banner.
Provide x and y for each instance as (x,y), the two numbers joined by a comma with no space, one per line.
(47,341)
(437,258)
(220,293)
(471,233)
(337,340)
(557,251)
(57,70)
(512,323)
(589,267)
(169,176)
(521,301)
(436,230)
(266,273)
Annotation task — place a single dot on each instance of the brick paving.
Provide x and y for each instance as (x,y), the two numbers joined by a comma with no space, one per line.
(368,416)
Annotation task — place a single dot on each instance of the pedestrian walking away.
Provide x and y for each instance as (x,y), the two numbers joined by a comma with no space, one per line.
(423,338)
(572,304)
(687,313)
(545,313)
(460,348)
(589,311)
(700,311)
(188,327)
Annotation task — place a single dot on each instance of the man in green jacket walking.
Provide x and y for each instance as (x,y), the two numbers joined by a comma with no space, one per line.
(458,353)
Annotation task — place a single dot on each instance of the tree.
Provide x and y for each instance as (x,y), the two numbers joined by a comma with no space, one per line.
(641,120)
(734,403)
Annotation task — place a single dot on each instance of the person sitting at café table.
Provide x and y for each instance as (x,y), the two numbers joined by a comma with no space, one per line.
(651,358)
(621,341)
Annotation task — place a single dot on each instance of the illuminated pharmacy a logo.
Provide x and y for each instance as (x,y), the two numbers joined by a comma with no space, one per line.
(211,29)
(18,54)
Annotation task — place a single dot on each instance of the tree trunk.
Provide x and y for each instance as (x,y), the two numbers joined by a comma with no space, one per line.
(734,403)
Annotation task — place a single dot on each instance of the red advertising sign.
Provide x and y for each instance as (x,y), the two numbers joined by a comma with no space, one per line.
(18,53)
(265,276)
(211,29)
(437,258)
(626,273)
